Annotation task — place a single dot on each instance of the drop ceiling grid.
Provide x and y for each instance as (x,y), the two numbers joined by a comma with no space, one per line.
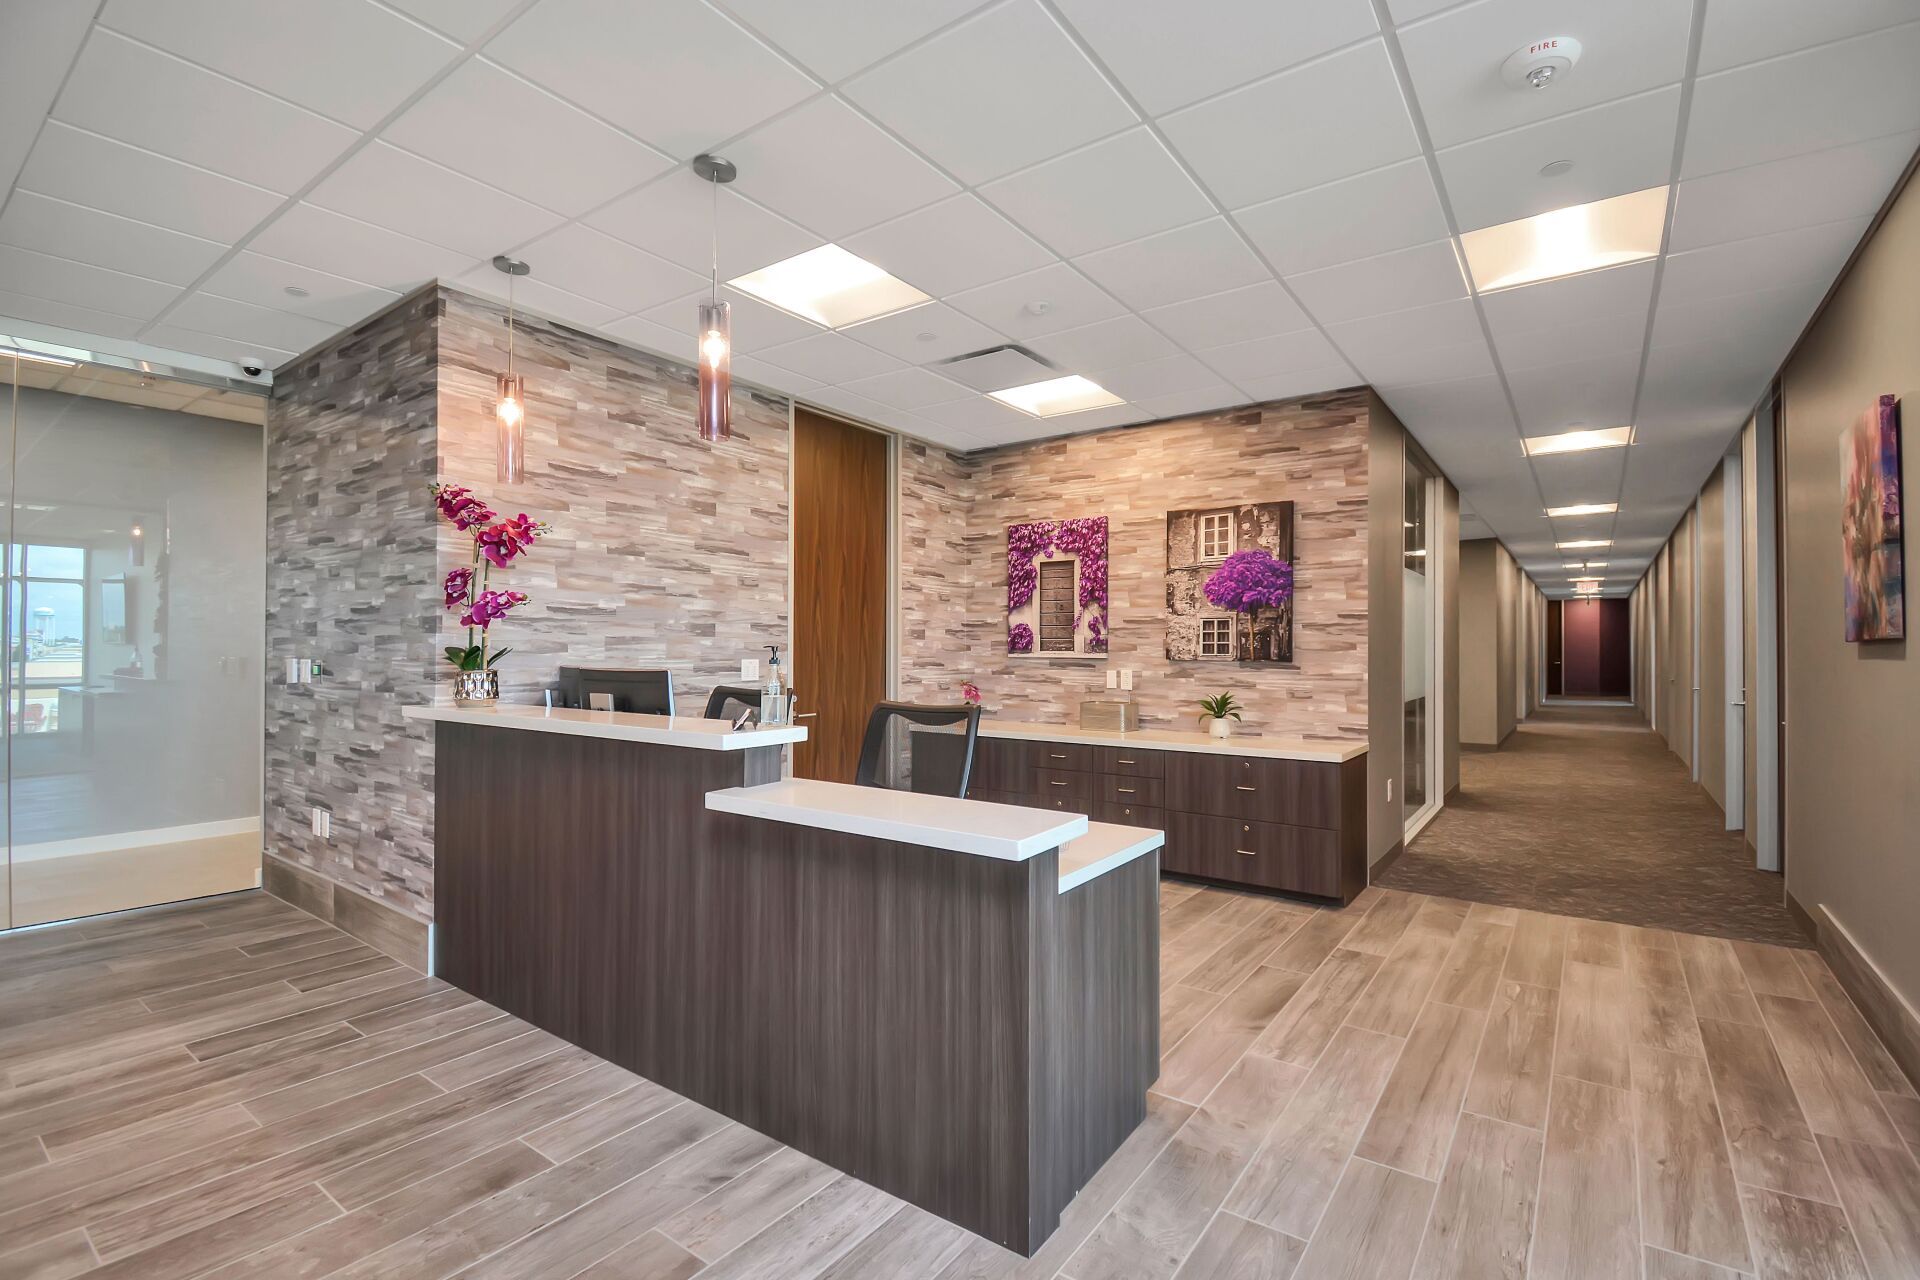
(1395,363)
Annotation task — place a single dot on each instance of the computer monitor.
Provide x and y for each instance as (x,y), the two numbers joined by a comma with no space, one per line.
(647,692)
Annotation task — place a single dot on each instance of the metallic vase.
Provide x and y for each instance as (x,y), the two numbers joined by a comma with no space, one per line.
(476,688)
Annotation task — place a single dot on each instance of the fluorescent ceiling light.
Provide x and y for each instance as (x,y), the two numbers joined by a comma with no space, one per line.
(1576,441)
(1055,396)
(830,286)
(1566,242)
(1584,509)
(1583,543)
(34,357)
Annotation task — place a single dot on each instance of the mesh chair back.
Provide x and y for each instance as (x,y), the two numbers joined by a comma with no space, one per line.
(910,747)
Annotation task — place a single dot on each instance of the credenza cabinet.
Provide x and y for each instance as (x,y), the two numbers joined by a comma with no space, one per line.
(1293,826)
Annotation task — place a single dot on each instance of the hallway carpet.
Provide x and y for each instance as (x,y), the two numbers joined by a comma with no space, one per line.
(1585,812)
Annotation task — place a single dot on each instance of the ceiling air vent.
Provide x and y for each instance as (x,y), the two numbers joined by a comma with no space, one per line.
(997,368)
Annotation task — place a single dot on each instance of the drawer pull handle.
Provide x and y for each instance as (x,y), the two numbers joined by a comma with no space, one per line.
(1056,755)
(1123,762)
(1126,791)
(1056,783)
(1250,853)
(1244,787)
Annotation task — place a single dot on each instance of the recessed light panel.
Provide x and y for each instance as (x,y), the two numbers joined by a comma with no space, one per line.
(1050,399)
(830,286)
(1584,543)
(1585,509)
(1566,242)
(1577,441)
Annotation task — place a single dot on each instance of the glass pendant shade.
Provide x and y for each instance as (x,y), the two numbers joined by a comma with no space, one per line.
(716,370)
(511,412)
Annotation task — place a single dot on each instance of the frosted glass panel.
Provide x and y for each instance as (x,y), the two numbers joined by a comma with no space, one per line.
(135,593)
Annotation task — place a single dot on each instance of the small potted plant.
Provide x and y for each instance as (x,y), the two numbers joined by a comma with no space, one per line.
(497,542)
(1216,711)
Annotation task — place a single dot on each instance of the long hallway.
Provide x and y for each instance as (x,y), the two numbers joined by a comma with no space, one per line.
(1585,812)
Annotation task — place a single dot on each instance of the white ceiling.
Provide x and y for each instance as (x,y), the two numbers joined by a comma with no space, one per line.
(1196,204)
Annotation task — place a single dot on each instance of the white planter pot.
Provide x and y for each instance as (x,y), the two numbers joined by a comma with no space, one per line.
(1219,728)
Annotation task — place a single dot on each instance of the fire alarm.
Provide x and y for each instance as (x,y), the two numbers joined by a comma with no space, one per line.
(1541,63)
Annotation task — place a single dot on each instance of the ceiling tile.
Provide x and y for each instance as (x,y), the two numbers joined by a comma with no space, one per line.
(909,389)
(1825,97)
(1749,30)
(535,295)
(1044,301)
(1477,405)
(1454,60)
(1373,345)
(1569,478)
(979,416)
(1169,55)
(1116,190)
(1598,313)
(674,218)
(835,38)
(243,323)
(583,261)
(855,406)
(1373,286)
(1272,138)
(348,59)
(41,42)
(831,358)
(1743,266)
(62,280)
(1357,217)
(784,164)
(1257,311)
(676,74)
(1411,364)
(1105,344)
(999,92)
(464,20)
(119,244)
(1816,187)
(1595,391)
(1765,321)
(1305,382)
(1204,258)
(920,335)
(755,370)
(1615,148)
(394,189)
(66,315)
(326,241)
(147,98)
(493,126)
(1283,353)
(87,169)
(263,281)
(214,346)
(1221,395)
(1167,376)
(919,247)
(664,340)
(756,326)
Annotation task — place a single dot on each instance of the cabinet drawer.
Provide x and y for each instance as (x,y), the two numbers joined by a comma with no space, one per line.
(1049,783)
(1063,803)
(1063,755)
(1131,815)
(1003,764)
(1297,793)
(1271,855)
(1131,762)
(1124,790)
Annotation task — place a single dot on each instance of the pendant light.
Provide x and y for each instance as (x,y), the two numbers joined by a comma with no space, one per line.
(716,321)
(510,409)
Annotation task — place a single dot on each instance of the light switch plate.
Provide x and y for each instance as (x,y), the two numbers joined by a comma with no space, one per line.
(1126,677)
(749,668)
(322,823)
(1113,677)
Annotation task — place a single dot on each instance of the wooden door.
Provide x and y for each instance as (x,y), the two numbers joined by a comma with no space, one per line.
(1580,648)
(839,589)
(1554,669)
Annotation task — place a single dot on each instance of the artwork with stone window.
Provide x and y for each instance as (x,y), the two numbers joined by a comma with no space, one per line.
(1230,583)
(1057,588)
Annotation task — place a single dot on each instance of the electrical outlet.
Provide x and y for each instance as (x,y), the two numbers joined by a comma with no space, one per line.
(749,668)
(322,823)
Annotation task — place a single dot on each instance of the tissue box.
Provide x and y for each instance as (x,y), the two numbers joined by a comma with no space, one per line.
(1111,714)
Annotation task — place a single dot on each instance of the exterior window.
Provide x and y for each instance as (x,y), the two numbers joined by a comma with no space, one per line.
(1216,535)
(1216,637)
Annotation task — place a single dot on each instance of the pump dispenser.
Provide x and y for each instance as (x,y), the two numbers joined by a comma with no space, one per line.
(773,695)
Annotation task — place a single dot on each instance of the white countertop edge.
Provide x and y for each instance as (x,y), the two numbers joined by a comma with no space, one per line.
(666,731)
(1009,832)
(1105,846)
(1265,746)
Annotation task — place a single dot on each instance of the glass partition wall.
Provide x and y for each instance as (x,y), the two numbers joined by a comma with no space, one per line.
(135,560)
(1420,649)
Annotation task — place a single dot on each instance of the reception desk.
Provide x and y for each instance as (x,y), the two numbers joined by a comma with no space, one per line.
(955,1001)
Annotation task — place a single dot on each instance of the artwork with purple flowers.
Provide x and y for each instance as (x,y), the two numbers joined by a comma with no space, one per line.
(1873,559)
(1057,587)
(1230,583)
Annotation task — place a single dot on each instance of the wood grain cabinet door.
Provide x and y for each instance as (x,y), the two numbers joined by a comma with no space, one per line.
(1297,792)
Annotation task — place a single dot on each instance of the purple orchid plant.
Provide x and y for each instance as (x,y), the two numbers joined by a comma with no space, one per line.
(497,542)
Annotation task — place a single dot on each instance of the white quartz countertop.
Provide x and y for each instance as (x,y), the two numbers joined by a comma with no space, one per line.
(1105,846)
(666,731)
(1240,744)
(975,827)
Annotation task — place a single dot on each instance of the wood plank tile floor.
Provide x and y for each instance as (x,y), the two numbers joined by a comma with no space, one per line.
(1412,1087)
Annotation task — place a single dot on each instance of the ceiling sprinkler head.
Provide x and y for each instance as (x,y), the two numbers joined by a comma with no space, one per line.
(1542,63)
(1038,307)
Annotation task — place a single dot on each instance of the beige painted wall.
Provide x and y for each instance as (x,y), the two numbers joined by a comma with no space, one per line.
(1852,769)
(1749,618)
(1713,637)
(1490,607)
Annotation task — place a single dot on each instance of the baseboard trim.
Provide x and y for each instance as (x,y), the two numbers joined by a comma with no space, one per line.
(1804,918)
(1892,1018)
(1387,859)
(380,925)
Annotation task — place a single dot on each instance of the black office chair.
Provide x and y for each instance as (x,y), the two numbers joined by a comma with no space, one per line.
(727,701)
(896,758)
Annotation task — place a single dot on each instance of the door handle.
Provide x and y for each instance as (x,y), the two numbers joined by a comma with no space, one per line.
(805,715)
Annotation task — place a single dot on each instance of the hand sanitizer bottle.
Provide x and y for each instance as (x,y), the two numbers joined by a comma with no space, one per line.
(773,695)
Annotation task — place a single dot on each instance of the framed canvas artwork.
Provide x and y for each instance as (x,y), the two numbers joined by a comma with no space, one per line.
(1057,588)
(1873,557)
(1230,583)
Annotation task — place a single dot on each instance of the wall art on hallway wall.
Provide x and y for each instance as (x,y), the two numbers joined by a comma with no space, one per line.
(1230,583)
(1873,571)
(1057,588)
